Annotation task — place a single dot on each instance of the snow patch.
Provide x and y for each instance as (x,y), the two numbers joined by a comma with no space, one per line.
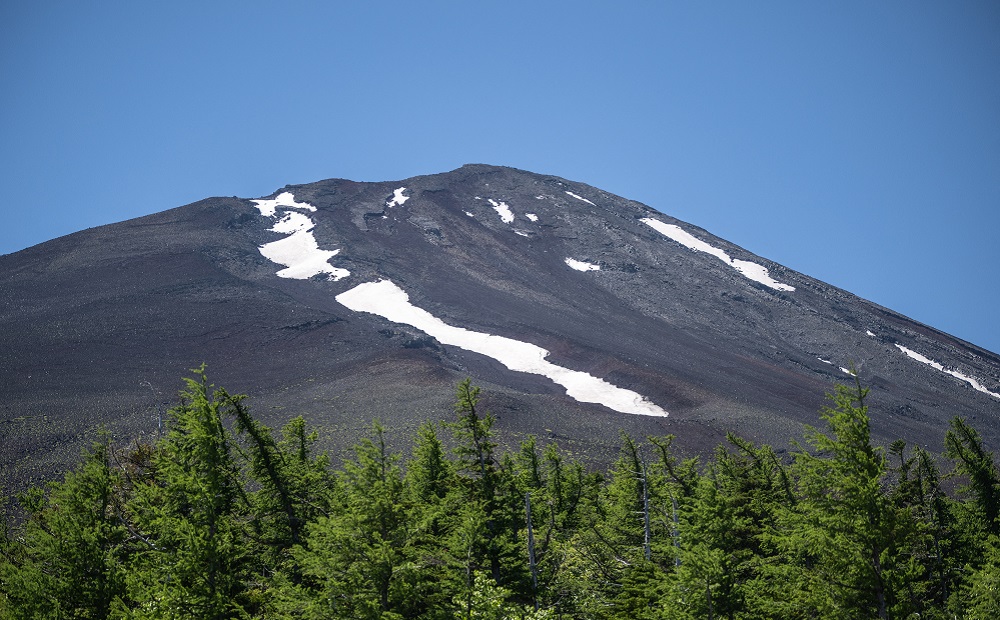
(750,270)
(580,198)
(397,199)
(503,210)
(469,214)
(385,299)
(580,265)
(531,216)
(292,223)
(522,233)
(298,252)
(285,200)
(869,332)
(954,373)
(846,371)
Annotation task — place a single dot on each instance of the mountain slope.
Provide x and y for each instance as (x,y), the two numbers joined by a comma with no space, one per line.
(97,327)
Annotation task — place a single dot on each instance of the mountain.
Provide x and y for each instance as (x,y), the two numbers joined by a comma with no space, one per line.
(580,313)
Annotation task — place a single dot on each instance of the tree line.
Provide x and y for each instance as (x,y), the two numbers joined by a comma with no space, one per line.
(223,518)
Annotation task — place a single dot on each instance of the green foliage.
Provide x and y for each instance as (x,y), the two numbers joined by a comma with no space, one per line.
(193,515)
(965,448)
(488,601)
(67,561)
(981,591)
(357,557)
(221,519)
(843,536)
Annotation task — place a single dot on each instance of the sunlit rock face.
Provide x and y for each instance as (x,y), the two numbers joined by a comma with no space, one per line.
(580,313)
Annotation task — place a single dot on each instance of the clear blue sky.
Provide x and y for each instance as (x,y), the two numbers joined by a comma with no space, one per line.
(857,142)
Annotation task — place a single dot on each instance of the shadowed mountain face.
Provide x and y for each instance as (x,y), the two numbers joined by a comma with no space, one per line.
(580,313)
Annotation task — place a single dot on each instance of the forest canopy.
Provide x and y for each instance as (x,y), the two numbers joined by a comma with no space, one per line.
(221,517)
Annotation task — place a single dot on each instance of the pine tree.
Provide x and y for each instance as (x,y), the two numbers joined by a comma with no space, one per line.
(489,601)
(433,501)
(68,561)
(599,557)
(981,591)
(483,480)
(924,509)
(965,448)
(721,534)
(355,561)
(977,519)
(193,516)
(842,541)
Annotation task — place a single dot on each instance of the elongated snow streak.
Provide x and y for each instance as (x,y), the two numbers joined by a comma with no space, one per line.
(503,210)
(846,371)
(954,373)
(285,200)
(385,299)
(397,199)
(750,270)
(580,265)
(580,198)
(298,252)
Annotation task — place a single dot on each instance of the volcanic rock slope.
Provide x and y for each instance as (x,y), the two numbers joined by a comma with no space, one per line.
(580,313)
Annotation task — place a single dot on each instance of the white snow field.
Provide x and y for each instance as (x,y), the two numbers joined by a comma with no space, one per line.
(580,198)
(284,200)
(397,199)
(503,211)
(298,252)
(750,270)
(385,299)
(580,265)
(937,366)
(531,216)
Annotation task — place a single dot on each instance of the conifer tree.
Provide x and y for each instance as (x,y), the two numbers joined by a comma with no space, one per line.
(283,475)
(842,540)
(977,519)
(209,523)
(482,476)
(193,516)
(355,560)
(609,544)
(722,529)
(926,512)
(68,561)
(557,512)
(965,448)
(433,501)
(981,592)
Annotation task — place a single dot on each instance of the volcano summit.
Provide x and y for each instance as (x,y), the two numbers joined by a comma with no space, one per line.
(580,313)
